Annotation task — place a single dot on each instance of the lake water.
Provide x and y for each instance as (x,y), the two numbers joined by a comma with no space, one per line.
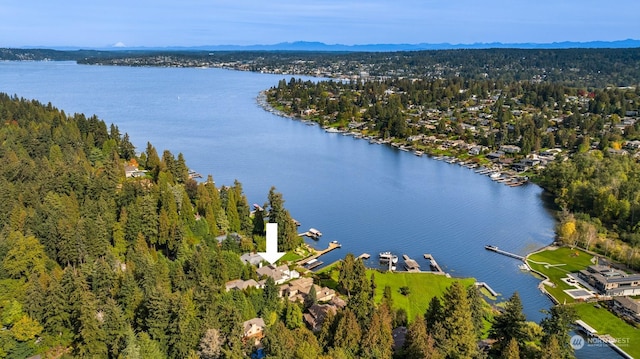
(371,198)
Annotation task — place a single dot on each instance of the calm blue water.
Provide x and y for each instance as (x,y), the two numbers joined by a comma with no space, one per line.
(371,198)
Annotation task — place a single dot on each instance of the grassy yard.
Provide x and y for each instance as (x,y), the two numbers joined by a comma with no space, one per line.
(556,264)
(606,322)
(422,287)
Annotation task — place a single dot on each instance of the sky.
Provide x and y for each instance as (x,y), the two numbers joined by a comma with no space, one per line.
(152,23)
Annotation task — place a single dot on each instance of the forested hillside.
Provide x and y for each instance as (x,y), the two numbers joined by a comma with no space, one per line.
(95,264)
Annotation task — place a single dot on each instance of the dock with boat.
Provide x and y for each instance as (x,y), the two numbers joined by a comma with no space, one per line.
(313,263)
(504,253)
(389,258)
(311,233)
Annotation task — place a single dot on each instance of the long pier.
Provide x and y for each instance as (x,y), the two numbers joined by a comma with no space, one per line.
(486,286)
(435,267)
(504,253)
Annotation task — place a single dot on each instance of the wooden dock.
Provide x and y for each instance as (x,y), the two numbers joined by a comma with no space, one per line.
(410,265)
(504,253)
(314,263)
(434,265)
(486,286)
(332,246)
(311,233)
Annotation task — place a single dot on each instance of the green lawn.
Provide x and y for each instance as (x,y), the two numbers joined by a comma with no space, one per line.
(422,287)
(556,264)
(606,322)
(600,319)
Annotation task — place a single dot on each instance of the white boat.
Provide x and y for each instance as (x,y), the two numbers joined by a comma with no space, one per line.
(388,256)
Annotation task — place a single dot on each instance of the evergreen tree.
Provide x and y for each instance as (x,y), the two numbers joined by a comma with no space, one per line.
(279,341)
(270,297)
(232,212)
(327,331)
(288,238)
(348,333)
(511,350)
(149,348)
(258,223)
(557,325)
(418,344)
(90,336)
(132,348)
(477,309)
(347,280)
(458,324)
(184,328)
(553,350)
(510,324)
(292,315)
(434,313)
(307,346)
(157,316)
(377,341)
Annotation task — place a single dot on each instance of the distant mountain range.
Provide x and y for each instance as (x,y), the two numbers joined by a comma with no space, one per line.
(319,46)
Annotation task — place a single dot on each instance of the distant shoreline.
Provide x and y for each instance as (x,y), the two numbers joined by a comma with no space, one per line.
(496,172)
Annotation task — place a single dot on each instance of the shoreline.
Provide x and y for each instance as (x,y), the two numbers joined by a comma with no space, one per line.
(496,172)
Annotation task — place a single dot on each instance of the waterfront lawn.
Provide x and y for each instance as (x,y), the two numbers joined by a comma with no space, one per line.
(422,287)
(556,264)
(605,322)
(290,256)
(329,275)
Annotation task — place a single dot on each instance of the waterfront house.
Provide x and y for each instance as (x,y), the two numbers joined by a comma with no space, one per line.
(611,282)
(510,149)
(520,166)
(279,274)
(627,306)
(298,289)
(632,145)
(475,150)
(495,156)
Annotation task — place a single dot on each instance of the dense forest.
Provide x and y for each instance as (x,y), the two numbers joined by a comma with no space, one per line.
(105,253)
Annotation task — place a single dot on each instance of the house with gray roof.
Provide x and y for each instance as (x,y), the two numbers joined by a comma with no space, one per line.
(611,282)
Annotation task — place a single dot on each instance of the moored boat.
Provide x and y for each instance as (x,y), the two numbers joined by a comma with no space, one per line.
(388,256)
